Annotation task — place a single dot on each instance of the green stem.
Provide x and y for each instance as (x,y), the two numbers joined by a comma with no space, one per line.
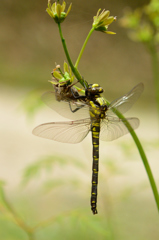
(143,157)
(147,167)
(155,69)
(83,47)
(51,220)
(73,68)
(17,219)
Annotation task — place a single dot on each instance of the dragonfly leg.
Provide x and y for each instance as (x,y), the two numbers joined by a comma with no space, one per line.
(76,109)
(77,96)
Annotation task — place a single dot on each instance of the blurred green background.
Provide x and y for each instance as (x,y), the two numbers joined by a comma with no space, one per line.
(48,183)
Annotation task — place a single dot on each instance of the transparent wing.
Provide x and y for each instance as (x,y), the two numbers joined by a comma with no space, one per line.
(124,103)
(113,128)
(70,109)
(66,132)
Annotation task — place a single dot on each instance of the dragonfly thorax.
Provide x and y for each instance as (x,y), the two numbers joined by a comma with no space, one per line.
(97,111)
(101,102)
(97,102)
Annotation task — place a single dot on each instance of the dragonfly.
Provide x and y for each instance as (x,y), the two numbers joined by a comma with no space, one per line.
(90,113)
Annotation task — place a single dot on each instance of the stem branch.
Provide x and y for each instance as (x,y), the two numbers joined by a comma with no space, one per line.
(73,68)
(143,157)
(155,69)
(83,47)
(17,219)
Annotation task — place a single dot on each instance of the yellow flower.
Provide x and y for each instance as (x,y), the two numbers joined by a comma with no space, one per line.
(57,11)
(102,21)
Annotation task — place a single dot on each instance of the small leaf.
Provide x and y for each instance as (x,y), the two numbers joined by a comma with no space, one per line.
(46,164)
(109,32)
(50,184)
(57,75)
(32,103)
(53,82)
(2,184)
(65,67)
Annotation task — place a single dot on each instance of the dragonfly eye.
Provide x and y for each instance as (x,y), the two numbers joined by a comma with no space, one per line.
(95,85)
(100,89)
(97,90)
(94,89)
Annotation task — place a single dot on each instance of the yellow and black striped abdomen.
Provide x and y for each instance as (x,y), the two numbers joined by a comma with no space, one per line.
(95,128)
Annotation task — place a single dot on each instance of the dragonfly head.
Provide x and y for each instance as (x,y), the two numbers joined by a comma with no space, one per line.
(94,89)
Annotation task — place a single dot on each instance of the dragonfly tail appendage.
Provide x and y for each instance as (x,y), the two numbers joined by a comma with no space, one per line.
(95,140)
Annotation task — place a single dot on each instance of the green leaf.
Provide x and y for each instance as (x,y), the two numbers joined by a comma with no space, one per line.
(97,227)
(32,103)
(65,66)
(109,32)
(57,75)
(50,184)
(46,164)
(2,194)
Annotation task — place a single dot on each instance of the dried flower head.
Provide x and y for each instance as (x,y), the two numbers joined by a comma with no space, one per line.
(62,78)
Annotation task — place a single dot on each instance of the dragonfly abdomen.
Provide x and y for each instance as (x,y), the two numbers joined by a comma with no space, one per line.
(95,128)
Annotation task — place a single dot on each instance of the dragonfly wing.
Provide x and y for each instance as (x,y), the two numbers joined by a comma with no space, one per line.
(72,109)
(66,132)
(124,103)
(113,128)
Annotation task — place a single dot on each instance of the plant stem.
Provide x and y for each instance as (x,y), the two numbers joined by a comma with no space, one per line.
(147,167)
(83,47)
(143,157)
(73,68)
(17,219)
(51,220)
(155,69)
